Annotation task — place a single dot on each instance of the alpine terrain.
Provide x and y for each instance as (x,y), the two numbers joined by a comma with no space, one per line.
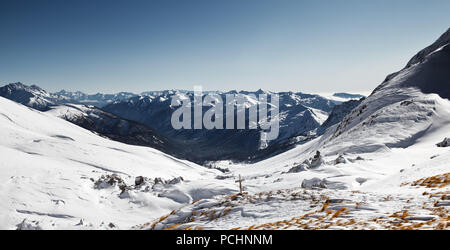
(73,161)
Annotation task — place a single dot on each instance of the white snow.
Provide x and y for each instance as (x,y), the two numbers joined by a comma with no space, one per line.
(47,164)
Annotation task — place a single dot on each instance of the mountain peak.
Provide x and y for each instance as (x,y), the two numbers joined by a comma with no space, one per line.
(21,86)
(17,85)
(426,71)
(443,40)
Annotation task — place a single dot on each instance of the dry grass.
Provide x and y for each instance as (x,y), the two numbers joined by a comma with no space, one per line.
(325,213)
(437,181)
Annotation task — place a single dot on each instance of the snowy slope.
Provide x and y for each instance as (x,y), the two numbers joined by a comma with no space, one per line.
(46,170)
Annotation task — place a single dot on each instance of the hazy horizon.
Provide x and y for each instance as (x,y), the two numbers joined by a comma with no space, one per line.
(300,46)
(324,94)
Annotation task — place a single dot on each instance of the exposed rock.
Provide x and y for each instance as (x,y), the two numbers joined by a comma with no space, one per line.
(359,158)
(158,180)
(278,180)
(28,225)
(223,177)
(299,168)
(340,159)
(360,180)
(123,188)
(175,180)
(316,161)
(314,183)
(444,143)
(81,223)
(139,180)
(106,181)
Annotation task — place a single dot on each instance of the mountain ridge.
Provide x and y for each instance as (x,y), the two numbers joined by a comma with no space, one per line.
(302,114)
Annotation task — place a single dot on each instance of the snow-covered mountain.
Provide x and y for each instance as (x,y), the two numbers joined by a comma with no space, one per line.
(300,115)
(31,96)
(97,100)
(40,99)
(136,119)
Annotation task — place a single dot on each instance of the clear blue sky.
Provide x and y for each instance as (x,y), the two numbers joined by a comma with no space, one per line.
(309,46)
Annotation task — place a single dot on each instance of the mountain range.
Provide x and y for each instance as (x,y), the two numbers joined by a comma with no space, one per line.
(145,120)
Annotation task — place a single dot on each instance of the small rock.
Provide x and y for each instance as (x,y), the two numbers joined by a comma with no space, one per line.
(316,161)
(80,223)
(298,168)
(340,159)
(444,143)
(314,183)
(360,180)
(278,180)
(106,181)
(158,180)
(175,180)
(28,225)
(139,180)
(124,189)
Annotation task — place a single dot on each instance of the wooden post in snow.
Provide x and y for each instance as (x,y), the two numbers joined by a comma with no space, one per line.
(240,184)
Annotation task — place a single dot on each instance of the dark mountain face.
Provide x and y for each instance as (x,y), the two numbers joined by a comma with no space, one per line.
(338,113)
(428,70)
(434,77)
(398,112)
